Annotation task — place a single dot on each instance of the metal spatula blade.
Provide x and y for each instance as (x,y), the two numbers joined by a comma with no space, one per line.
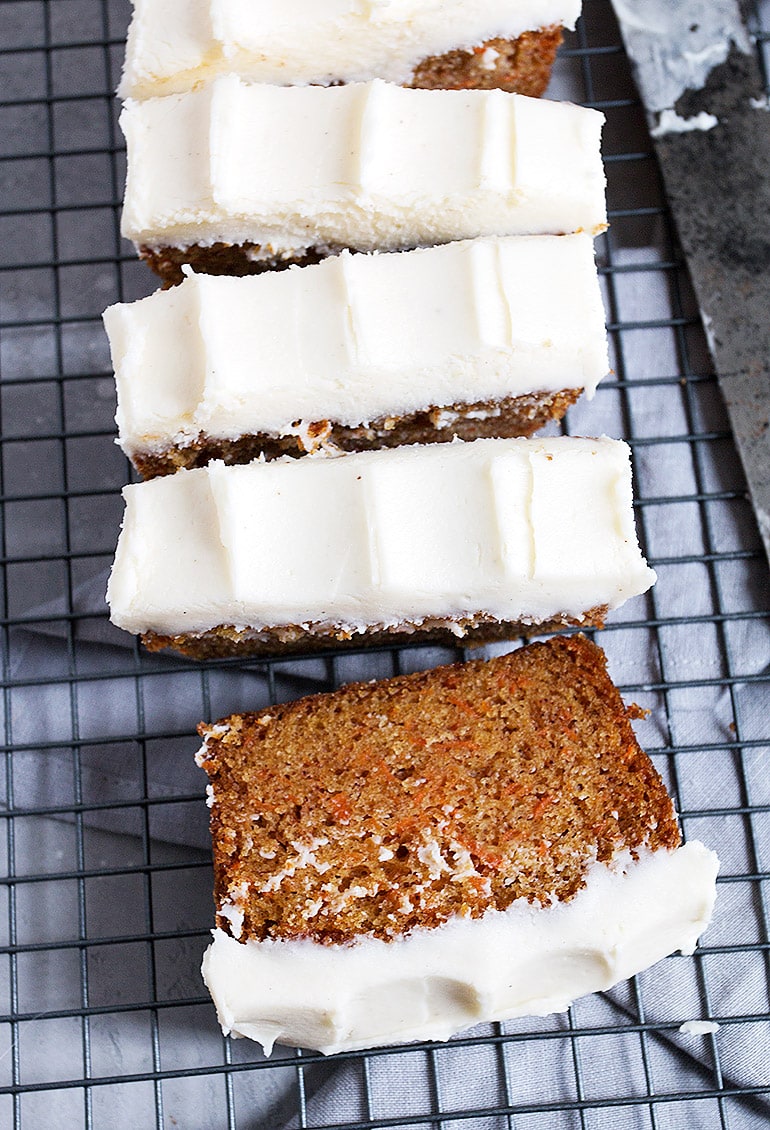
(701,85)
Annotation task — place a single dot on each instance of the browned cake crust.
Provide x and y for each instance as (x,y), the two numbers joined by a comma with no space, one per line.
(224,259)
(387,806)
(227,642)
(511,416)
(521,66)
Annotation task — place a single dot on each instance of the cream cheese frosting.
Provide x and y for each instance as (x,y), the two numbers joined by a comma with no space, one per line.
(367,166)
(357,338)
(516,529)
(432,983)
(175,44)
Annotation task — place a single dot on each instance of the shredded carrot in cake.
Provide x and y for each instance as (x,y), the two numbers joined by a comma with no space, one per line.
(388,806)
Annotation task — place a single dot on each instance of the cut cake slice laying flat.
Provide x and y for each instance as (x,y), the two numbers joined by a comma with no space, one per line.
(488,337)
(173,47)
(236,177)
(399,860)
(450,541)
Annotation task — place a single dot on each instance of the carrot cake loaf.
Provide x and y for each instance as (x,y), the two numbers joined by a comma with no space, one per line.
(237,177)
(489,337)
(174,45)
(400,860)
(455,541)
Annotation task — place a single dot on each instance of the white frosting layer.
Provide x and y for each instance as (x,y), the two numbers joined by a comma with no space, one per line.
(356,338)
(368,166)
(432,983)
(174,44)
(517,529)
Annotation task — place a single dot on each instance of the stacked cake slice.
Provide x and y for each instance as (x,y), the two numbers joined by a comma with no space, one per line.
(486,337)
(400,860)
(237,177)
(476,541)
(486,333)
(431,43)
(380,281)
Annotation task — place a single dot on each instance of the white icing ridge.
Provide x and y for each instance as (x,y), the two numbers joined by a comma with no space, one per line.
(356,338)
(517,529)
(176,44)
(367,166)
(432,983)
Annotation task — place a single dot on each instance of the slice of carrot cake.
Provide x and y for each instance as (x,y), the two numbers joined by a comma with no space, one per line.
(491,337)
(455,541)
(400,860)
(175,45)
(237,177)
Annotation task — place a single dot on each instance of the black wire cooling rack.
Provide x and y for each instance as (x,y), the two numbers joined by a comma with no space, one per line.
(106,896)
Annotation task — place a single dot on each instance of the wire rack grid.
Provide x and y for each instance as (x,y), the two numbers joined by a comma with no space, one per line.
(104,1021)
